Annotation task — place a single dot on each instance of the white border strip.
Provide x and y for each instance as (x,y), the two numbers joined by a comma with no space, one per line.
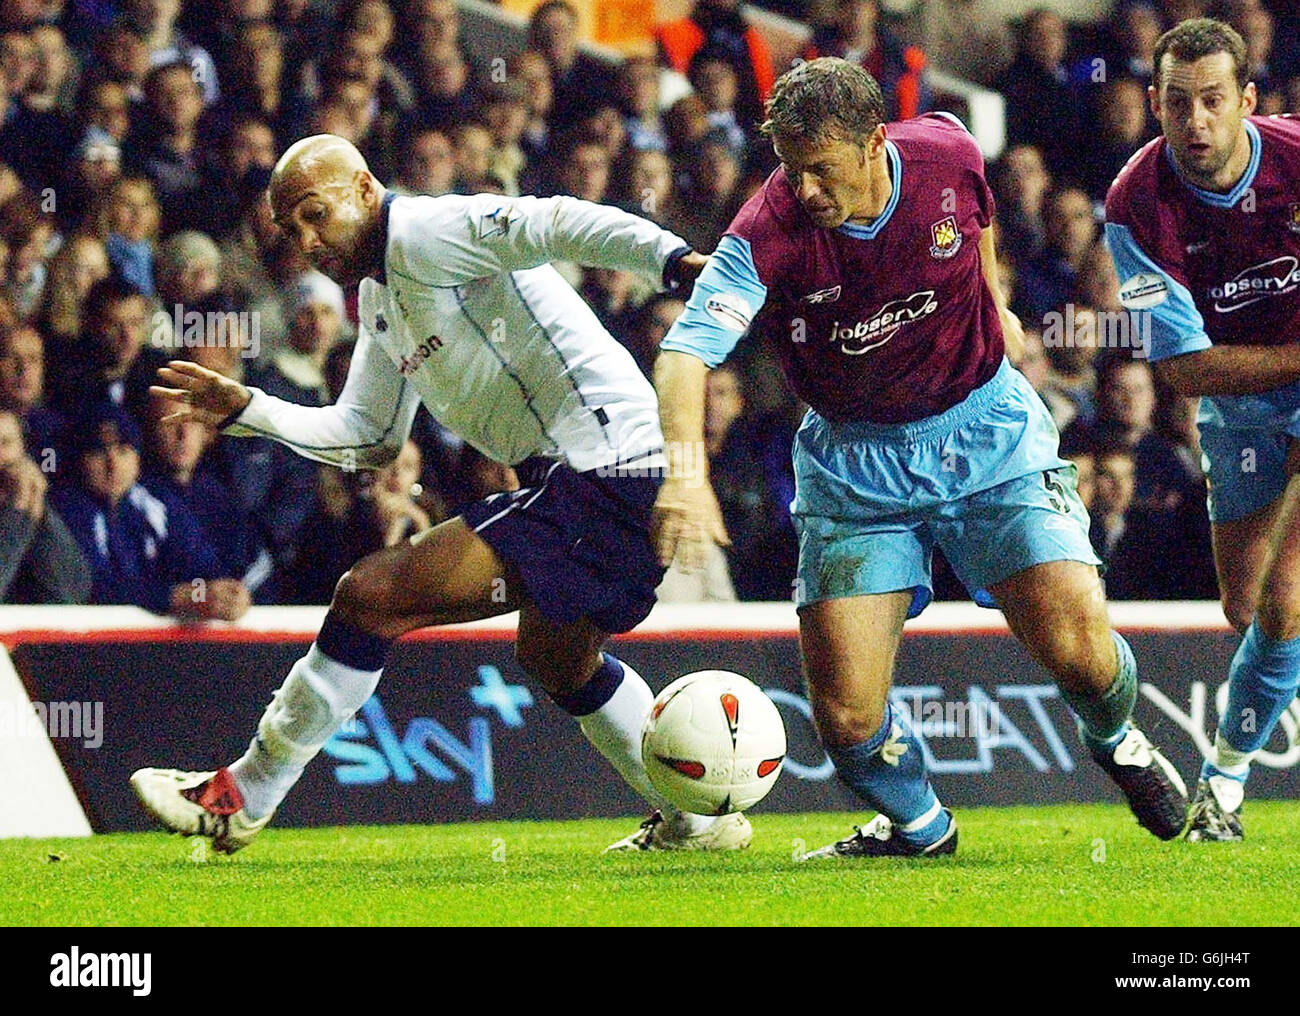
(774,618)
(36,798)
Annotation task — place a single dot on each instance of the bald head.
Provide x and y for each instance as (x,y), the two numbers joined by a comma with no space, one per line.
(326,200)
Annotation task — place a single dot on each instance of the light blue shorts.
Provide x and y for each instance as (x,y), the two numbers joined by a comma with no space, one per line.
(1244,443)
(982,480)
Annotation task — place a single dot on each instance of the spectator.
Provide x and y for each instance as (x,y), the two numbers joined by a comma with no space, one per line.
(444,93)
(1097,283)
(155,20)
(53,84)
(713,196)
(187,269)
(114,365)
(638,95)
(855,34)
(166,149)
(257,85)
(968,38)
(28,234)
(316,323)
(471,147)
(531,68)
(1047,281)
(427,164)
(121,55)
(649,325)
(1112,498)
(79,264)
(716,83)
(1042,108)
(140,550)
(505,114)
(750,471)
(22,385)
(719,26)
(1072,379)
(584,171)
(185,478)
(1134,30)
(127,219)
(104,104)
(95,166)
(650,192)
(272,487)
(1122,114)
(578,83)
(687,121)
(40,561)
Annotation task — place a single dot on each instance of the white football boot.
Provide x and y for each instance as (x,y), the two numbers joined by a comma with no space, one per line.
(726,832)
(198,804)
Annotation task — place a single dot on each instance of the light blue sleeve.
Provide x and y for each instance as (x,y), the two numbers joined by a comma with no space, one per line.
(1176,326)
(726,297)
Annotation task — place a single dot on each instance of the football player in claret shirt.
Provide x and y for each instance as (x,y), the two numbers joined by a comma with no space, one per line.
(1204,226)
(866,260)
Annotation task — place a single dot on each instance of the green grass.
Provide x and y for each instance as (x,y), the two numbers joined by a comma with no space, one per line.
(1071,865)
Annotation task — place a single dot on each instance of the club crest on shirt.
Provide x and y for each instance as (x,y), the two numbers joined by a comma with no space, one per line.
(946,238)
(823,295)
(1293,216)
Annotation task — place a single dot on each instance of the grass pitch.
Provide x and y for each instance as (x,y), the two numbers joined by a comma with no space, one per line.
(1060,865)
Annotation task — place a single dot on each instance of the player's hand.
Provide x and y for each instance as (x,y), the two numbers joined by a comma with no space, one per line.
(228,599)
(199,394)
(681,272)
(685,522)
(24,486)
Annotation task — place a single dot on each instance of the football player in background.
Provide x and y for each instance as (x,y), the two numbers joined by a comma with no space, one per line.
(460,309)
(866,261)
(1204,227)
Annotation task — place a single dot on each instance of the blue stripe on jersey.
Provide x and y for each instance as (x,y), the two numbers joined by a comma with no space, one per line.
(951,116)
(1242,185)
(862,232)
(726,297)
(1176,325)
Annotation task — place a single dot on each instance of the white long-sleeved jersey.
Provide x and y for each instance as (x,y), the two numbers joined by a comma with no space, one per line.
(469,317)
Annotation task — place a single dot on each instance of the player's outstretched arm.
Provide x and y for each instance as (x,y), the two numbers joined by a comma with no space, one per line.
(687,518)
(470,237)
(364,429)
(1231,370)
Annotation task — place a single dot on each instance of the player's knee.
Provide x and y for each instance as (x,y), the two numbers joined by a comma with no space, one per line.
(362,591)
(1239,610)
(1278,612)
(842,724)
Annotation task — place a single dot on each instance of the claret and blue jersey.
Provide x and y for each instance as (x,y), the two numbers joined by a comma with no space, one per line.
(1214,269)
(885,322)
(1219,269)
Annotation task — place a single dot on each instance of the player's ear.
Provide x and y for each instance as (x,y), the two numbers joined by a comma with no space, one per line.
(1249,98)
(1153,100)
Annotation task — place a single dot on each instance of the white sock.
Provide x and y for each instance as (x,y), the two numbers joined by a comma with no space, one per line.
(615,730)
(319,696)
(1228,760)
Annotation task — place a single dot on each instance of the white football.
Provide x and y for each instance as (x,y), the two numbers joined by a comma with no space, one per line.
(713,743)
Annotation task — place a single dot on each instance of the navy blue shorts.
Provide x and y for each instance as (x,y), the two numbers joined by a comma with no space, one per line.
(579,541)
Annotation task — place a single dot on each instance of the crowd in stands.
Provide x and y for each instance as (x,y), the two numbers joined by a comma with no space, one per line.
(136,142)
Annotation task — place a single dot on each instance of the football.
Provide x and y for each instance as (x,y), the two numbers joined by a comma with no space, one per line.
(713,743)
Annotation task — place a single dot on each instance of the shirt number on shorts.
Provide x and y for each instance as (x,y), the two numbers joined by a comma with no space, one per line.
(1056,493)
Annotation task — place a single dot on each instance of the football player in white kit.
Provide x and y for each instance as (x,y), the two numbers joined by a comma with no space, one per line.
(460,309)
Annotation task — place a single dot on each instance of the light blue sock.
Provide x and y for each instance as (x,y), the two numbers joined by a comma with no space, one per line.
(1262,681)
(888,772)
(1103,719)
